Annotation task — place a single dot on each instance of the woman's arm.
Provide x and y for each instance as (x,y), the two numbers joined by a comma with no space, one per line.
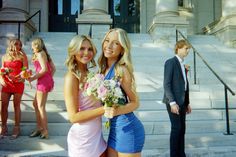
(42,58)
(53,67)
(2,81)
(126,84)
(71,89)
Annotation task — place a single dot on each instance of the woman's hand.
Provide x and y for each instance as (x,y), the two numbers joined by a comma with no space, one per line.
(32,78)
(2,81)
(110,112)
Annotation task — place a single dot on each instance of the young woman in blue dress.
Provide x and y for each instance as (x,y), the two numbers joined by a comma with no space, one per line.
(126,136)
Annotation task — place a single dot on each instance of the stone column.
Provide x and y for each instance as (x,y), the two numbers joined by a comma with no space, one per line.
(94,18)
(16,11)
(44,16)
(225,28)
(166,21)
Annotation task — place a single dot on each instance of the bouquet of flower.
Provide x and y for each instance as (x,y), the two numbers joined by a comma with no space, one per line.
(108,91)
(25,74)
(93,82)
(5,71)
(111,95)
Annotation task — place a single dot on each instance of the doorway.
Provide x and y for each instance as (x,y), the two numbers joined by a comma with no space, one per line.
(126,14)
(62,15)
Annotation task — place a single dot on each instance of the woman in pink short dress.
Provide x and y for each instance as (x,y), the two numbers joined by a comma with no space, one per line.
(85,137)
(45,69)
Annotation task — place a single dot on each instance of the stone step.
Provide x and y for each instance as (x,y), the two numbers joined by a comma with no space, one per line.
(159,142)
(147,116)
(226,151)
(151,128)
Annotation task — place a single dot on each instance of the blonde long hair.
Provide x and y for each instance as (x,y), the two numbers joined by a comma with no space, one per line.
(40,46)
(73,50)
(124,59)
(11,51)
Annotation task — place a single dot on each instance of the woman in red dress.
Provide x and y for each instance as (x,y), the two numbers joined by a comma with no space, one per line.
(12,63)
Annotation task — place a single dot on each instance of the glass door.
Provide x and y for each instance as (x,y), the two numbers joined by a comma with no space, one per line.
(126,14)
(62,15)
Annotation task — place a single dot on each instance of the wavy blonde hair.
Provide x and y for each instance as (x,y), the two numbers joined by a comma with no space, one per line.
(40,46)
(73,50)
(11,51)
(123,60)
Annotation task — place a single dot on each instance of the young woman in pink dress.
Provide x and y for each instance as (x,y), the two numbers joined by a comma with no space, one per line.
(45,70)
(85,135)
(14,59)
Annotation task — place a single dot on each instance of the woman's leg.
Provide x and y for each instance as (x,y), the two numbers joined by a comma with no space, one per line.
(37,114)
(4,111)
(129,155)
(16,102)
(104,154)
(111,152)
(41,102)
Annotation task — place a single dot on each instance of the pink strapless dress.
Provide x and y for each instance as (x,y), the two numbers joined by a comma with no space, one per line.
(86,139)
(46,82)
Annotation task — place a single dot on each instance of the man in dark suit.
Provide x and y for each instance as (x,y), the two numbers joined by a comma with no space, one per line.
(176,97)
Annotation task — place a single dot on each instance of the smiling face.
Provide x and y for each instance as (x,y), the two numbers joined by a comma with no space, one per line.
(85,54)
(111,46)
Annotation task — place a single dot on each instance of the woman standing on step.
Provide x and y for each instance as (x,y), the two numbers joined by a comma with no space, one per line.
(45,70)
(85,135)
(126,137)
(12,63)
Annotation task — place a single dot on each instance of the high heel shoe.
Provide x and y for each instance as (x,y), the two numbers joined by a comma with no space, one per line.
(4,131)
(16,132)
(44,136)
(35,133)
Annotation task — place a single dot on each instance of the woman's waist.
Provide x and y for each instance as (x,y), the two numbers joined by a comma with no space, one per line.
(128,116)
(46,76)
(96,122)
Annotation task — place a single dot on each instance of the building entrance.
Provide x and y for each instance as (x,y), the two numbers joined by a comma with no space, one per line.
(62,15)
(126,14)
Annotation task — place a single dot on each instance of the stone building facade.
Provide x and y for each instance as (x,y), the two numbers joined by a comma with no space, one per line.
(159,18)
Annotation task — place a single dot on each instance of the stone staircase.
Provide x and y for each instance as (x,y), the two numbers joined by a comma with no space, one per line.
(205,126)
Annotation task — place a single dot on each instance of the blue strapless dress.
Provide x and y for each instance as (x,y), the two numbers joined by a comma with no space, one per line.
(126,131)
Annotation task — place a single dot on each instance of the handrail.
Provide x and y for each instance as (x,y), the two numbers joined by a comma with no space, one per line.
(19,22)
(226,87)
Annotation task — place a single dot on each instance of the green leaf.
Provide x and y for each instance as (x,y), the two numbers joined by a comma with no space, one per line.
(23,68)
(107,124)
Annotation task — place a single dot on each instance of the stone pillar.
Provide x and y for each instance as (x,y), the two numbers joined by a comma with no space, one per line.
(15,11)
(44,16)
(94,18)
(166,21)
(225,28)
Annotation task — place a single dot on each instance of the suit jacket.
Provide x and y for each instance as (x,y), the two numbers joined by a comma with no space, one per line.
(174,85)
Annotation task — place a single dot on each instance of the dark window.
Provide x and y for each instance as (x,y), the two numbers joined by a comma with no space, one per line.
(0,3)
(180,3)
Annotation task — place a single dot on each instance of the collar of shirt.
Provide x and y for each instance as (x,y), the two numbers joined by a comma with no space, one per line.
(180,59)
